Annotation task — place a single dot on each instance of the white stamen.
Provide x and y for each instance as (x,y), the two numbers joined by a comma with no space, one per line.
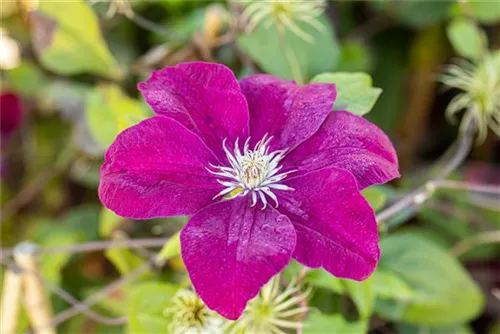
(252,171)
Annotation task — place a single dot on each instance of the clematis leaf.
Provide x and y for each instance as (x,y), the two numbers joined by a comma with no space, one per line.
(323,279)
(108,221)
(123,259)
(317,322)
(354,91)
(109,111)
(363,295)
(389,285)
(467,38)
(146,306)
(416,14)
(356,56)
(52,264)
(455,329)
(67,39)
(322,54)
(26,79)
(443,292)
(486,12)
(171,248)
(375,196)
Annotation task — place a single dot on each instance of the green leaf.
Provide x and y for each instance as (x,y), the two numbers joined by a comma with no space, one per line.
(124,260)
(354,91)
(417,14)
(109,111)
(389,285)
(67,39)
(467,39)
(147,304)
(52,264)
(263,45)
(323,279)
(116,303)
(363,295)
(486,12)
(355,57)
(320,323)
(444,293)
(171,248)
(108,221)
(375,196)
(455,329)
(27,79)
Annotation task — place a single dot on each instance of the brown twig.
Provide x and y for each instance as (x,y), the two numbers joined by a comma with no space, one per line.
(106,244)
(28,193)
(372,27)
(87,303)
(480,239)
(96,246)
(417,197)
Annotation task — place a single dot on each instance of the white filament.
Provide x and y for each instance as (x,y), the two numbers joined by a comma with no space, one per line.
(252,172)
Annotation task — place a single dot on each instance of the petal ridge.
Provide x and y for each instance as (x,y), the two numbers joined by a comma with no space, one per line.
(288,112)
(348,142)
(204,97)
(336,227)
(231,250)
(157,168)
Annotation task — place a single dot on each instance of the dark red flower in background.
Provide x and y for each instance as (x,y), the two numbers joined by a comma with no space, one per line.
(11,109)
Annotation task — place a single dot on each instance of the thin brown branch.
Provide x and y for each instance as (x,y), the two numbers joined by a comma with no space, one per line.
(480,239)
(87,303)
(372,27)
(28,193)
(415,198)
(467,186)
(106,244)
(451,210)
(94,246)
(66,296)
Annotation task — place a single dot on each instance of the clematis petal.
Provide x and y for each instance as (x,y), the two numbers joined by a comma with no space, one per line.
(231,250)
(336,227)
(349,142)
(157,169)
(284,110)
(204,97)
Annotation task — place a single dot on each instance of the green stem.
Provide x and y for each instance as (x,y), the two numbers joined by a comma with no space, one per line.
(292,61)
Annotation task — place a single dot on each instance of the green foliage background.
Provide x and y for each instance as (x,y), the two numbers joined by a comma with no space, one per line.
(77,78)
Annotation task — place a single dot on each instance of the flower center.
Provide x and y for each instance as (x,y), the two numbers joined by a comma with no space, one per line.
(252,172)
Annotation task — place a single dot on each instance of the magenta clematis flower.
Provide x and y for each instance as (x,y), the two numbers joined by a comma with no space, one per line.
(11,112)
(266,169)
(11,117)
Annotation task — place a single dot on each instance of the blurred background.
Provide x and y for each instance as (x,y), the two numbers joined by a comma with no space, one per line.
(69,71)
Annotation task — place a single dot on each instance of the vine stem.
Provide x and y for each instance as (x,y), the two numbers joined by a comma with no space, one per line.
(28,193)
(87,303)
(95,246)
(290,58)
(480,239)
(459,151)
